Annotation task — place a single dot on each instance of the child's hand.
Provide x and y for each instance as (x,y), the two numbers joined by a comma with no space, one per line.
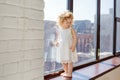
(72,48)
(56,43)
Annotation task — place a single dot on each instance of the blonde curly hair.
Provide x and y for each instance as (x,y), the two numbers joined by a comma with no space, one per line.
(64,16)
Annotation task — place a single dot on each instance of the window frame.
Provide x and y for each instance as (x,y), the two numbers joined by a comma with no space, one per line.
(116,19)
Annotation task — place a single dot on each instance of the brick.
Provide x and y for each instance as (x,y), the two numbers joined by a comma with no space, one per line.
(10,57)
(10,10)
(22,3)
(33,14)
(3,58)
(36,4)
(3,46)
(12,22)
(10,68)
(27,3)
(26,65)
(35,74)
(36,63)
(27,44)
(1,19)
(39,78)
(32,54)
(38,44)
(13,2)
(1,70)
(34,24)
(20,66)
(14,45)
(34,34)
(32,44)
(15,57)
(2,1)
(14,77)
(2,78)
(7,34)
(27,75)
(21,23)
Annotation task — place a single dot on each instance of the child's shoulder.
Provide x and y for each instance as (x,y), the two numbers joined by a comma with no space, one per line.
(56,27)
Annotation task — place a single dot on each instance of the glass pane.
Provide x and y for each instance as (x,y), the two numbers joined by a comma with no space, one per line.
(118,37)
(51,11)
(84,24)
(117,8)
(106,28)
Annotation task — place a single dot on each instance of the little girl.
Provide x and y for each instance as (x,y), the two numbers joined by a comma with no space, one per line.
(66,53)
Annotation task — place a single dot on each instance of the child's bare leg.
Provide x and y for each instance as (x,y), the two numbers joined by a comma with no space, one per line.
(70,69)
(65,67)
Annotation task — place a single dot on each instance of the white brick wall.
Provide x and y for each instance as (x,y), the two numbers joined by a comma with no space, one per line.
(21,40)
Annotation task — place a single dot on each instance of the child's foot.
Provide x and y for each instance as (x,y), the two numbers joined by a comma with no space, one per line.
(62,74)
(67,75)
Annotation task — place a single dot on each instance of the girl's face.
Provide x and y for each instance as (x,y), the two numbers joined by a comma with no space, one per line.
(67,23)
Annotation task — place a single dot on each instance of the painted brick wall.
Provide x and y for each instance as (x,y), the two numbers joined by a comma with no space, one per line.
(21,39)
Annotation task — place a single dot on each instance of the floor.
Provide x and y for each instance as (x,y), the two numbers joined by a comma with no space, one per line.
(92,71)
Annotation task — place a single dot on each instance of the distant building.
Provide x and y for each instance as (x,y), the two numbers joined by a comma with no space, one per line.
(106,31)
(85,42)
(85,35)
(83,26)
(118,26)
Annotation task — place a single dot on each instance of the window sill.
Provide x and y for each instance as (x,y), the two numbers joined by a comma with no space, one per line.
(94,71)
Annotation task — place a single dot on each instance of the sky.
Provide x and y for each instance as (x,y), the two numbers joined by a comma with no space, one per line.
(83,9)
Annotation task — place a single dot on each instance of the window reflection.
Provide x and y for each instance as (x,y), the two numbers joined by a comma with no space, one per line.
(106,28)
(84,24)
(51,11)
(118,26)
(118,37)
(118,8)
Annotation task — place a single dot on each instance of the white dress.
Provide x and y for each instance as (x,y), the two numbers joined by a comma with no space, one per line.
(50,49)
(64,54)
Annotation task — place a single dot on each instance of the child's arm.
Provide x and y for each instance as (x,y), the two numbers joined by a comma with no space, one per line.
(74,40)
(56,42)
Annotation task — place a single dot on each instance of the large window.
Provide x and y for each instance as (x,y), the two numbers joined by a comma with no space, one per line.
(51,11)
(84,23)
(106,28)
(117,8)
(118,37)
(118,26)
